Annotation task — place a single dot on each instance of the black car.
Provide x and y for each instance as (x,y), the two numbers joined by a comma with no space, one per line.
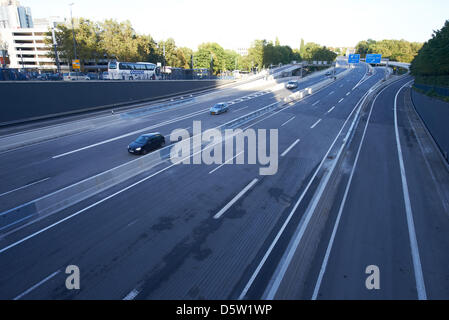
(146,143)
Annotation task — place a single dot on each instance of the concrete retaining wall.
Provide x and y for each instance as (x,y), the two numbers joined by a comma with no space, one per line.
(33,100)
(435,114)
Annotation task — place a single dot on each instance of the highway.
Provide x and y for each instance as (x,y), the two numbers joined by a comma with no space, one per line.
(57,160)
(392,211)
(220,231)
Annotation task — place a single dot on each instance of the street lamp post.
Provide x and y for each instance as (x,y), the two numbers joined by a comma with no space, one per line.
(73,31)
(56,50)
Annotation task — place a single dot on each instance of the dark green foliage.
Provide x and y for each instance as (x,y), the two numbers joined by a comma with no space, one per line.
(432,60)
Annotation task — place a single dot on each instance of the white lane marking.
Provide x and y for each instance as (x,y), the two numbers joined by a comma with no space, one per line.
(419,278)
(316,103)
(342,205)
(348,93)
(332,92)
(37,285)
(131,295)
(227,161)
(330,110)
(341,86)
(341,100)
(234,200)
(314,125)
(288,121)
(289,148)
(286,222)
(23,187)
(242,108)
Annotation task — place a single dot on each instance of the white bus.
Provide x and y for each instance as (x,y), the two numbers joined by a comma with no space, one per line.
(133,71)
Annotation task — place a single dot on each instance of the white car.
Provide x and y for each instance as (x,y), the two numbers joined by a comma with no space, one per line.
(75,76)
(292,84)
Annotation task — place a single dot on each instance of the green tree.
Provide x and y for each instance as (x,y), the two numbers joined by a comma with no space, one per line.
(395,50)
(184,55)
(256,53)
(210,55)
(232,60)
(433,57)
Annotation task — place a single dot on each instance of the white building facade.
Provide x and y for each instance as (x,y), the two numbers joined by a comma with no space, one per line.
(27,49)
(23,39)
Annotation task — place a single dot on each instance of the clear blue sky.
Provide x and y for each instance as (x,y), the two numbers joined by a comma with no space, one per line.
(235,23)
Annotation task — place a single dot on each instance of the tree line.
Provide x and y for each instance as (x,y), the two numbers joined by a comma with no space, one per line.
(394,50)
(432,60)
(118,40)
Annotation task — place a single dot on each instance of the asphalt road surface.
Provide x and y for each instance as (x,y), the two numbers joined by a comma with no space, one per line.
(201,231)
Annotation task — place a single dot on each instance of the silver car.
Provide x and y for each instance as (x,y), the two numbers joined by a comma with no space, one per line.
(292,84)
(219,108)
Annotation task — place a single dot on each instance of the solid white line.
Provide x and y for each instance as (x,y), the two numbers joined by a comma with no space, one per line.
(25,186)
(419,278)
(131,295)
(314,125)
(288,121)
(316,103)
(234,200)
(341,100)
(286,222)
(289,148)
(342,205)
(37,285)
(221,165)
(330,110)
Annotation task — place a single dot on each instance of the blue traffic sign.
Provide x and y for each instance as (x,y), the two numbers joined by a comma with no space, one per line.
(373,58)
(354,58)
